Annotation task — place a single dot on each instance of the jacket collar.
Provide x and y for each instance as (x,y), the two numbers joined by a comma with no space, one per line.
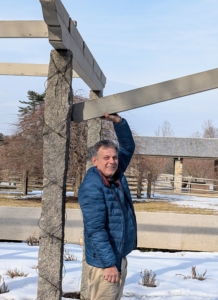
(107,181)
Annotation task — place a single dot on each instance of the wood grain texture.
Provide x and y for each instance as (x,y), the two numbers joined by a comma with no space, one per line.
(63,34)
(23,29)
(147,95)
(19,69)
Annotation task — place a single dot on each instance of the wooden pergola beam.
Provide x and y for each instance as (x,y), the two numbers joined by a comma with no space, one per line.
(64,35)
(23,29)
(147,95)
(20,69)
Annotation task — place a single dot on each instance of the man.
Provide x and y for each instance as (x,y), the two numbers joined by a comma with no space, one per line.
(108,214)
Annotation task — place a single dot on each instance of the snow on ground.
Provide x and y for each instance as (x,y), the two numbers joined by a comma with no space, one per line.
(167,265)
(191,201)
(184,200)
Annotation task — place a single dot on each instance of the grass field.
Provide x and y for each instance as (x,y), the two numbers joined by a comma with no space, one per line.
(149,206)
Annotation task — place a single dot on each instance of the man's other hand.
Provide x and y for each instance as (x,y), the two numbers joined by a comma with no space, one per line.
(113,118)
(111,274)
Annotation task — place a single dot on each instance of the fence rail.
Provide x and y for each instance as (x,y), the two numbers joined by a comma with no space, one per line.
(21,182)
(165,183)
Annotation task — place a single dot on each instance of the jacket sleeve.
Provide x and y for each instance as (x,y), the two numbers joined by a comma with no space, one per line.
(126,144)
(92,203)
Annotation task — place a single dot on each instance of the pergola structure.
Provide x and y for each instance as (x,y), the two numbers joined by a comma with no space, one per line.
(72,57)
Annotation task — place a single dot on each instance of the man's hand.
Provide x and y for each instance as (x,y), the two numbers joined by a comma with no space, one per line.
(111,274)
(113,118)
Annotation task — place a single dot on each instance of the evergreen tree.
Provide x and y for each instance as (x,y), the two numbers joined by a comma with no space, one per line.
(35,100)
(3,137)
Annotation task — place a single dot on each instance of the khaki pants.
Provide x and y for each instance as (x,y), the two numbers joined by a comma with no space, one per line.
(101,289)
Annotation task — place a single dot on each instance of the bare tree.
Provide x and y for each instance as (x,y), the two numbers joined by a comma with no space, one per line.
(164,130)
(209,131)
(201,168)
(23,150)
(196,134)
(149,167)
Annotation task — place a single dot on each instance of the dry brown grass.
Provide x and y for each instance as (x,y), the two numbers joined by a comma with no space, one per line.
(3,286)
(5,200)
(164,206)
(15,273)
(194,274)
(151,206)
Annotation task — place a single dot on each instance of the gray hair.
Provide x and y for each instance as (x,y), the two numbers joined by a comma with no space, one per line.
(104,144)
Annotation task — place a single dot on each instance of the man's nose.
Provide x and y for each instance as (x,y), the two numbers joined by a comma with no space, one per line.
(111,160)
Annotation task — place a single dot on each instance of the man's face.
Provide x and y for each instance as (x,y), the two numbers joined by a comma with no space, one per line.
(106,161)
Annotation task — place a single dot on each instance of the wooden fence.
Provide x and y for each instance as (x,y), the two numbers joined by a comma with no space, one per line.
(164,183)
(21,182)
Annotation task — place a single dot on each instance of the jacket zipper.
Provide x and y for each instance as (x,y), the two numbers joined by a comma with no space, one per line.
(118,200)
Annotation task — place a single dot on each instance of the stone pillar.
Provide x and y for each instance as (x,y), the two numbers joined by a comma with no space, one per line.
(94,136)
(178,175)
(94,130)
(56,137)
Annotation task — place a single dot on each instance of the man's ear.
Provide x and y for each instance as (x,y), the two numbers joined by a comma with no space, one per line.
(94,161)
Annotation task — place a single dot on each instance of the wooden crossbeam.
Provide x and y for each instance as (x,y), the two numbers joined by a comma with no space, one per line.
(19,69)
(63,34)
(23,29)
(148,95)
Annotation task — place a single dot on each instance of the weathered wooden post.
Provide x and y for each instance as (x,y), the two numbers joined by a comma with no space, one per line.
(56,137)
(216,174)
(139,185)
(149,179)
(94,135)
(25,182)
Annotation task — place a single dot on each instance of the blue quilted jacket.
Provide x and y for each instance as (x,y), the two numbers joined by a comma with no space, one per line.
(108,213)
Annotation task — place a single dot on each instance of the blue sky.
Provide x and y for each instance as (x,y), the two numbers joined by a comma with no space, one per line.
(136,43)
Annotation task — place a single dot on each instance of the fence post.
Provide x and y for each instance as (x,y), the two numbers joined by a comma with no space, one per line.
(149,178)
(139,185)
(25,182)
(216,174)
